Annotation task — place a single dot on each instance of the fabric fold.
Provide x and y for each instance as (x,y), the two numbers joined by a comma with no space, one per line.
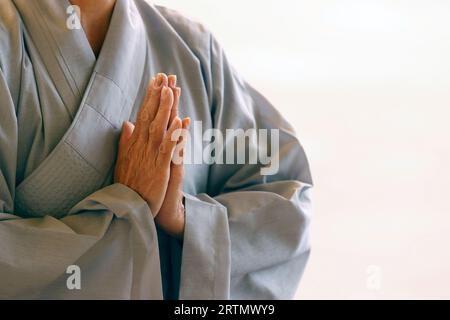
(61,110)
(206,246)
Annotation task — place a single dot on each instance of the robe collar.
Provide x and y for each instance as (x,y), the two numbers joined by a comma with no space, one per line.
(67,54)
(108,89)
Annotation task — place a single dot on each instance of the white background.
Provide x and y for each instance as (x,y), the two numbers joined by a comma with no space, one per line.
(366,83)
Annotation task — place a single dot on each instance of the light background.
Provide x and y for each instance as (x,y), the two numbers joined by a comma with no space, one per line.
(367,85)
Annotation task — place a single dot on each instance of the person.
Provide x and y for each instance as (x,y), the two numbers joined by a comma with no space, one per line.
(92,205)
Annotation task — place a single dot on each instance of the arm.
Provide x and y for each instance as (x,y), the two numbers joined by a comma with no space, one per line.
(114,223)
(248,237)
(35,252)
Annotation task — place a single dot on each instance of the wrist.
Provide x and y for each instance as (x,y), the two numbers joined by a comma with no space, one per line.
(174,222)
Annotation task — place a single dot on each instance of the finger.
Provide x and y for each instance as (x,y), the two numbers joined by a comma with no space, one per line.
(177,168)
(169,142)
(176,100)
(178,154)
(124,145)
(159,124)
(172,81)
(155,96)
(173,86)
(125,135)
(149,90)
(150,106)
(186,123)
(143,114)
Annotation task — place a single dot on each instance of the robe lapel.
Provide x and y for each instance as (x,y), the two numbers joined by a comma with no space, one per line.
(83,161)
(65,52)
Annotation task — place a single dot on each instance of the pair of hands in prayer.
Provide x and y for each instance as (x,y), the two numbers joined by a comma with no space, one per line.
(144,161)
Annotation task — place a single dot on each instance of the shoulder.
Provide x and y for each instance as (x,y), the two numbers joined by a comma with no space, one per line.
(193,33)
(185,26)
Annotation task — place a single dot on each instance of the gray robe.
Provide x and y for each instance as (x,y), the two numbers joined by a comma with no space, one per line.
(61,110)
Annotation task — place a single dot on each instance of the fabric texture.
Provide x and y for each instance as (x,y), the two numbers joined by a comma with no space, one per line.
(61,110)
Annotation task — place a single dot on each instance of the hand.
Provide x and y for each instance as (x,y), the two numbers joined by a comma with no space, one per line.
(145,151)
(171,217)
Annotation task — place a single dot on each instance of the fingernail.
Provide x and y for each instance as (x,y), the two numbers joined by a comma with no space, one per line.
(172,80)
(160,78)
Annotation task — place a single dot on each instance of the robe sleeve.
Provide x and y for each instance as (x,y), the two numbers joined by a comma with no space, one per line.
(35,252)
(247,238)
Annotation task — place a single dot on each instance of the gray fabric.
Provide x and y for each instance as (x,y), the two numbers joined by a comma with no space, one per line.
(61,110)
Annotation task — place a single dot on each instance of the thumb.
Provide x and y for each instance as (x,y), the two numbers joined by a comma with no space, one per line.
(127,132)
